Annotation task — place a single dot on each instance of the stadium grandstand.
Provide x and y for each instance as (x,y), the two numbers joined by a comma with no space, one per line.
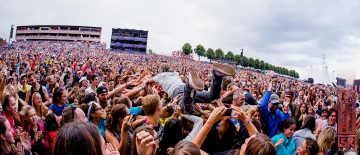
(58,33)
(129,40)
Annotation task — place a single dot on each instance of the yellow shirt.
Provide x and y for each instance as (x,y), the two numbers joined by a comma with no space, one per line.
(25,89)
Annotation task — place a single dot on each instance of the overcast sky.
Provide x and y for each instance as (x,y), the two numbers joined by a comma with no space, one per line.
(290,33)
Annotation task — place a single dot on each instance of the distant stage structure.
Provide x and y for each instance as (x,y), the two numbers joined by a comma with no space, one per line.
(128,40)
(58,33)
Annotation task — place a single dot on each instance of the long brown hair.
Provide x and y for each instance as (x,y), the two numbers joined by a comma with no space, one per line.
(77,137)
(260,145)
(117,111)
(186,148)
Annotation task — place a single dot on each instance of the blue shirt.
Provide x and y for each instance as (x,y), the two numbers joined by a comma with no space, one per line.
(300,135)
(135,110)
(102,127)
(286,148)
(268,119)
(58,110)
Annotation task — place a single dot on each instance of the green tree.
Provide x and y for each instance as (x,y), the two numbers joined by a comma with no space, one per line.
(219,54)
(257,64)
(237,59)
(262,65)
(251,62)
(229,56)
(245,61)
(187,49)
(297,75)
(210,54)
(200,50)
(267,66)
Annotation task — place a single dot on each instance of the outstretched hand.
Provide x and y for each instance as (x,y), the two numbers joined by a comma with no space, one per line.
(145,143)
(217,114)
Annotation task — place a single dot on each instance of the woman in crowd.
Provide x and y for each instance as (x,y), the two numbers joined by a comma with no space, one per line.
(78,137)
(33,125)
(331,121)
(96,115)
(51,131)
(325,140)
(300,115)
(117,127)
(40,109)
(312,111)
(24,88)
(308,147)
(59,101)
(9,111)
(306,131)
(254,113)
(284,143)
(7,140)
(258,144)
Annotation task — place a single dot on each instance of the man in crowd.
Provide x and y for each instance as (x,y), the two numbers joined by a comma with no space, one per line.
(270,114)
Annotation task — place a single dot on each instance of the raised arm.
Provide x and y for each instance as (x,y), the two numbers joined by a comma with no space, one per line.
(119,89)
(198,123)
(215,116)
(245,120)
(265,101)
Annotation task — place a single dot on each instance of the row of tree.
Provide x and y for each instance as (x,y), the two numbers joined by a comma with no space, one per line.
(230,57)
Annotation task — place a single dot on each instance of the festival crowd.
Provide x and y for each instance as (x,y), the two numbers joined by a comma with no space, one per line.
(72,98)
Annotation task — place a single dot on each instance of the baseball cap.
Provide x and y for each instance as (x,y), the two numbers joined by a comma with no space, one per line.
(101,89)
(274,99)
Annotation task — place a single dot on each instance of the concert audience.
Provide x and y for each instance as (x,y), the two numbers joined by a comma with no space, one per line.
(80,98)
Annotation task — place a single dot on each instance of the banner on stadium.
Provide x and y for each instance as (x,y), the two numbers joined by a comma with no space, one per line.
(346,120)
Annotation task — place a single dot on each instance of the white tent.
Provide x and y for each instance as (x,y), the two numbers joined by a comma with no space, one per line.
(321,75)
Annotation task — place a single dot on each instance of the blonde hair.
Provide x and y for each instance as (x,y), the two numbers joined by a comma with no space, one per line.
(24,113)
(326,138)
(41,103)
(25,110)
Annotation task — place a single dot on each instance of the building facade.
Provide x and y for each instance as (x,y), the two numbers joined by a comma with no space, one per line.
(128,40)
(58,33)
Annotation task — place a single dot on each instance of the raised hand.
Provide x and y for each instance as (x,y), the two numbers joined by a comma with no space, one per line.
(112,150)
(239,114)
(177,99)
(18,149)
(145,143)
(217,114)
